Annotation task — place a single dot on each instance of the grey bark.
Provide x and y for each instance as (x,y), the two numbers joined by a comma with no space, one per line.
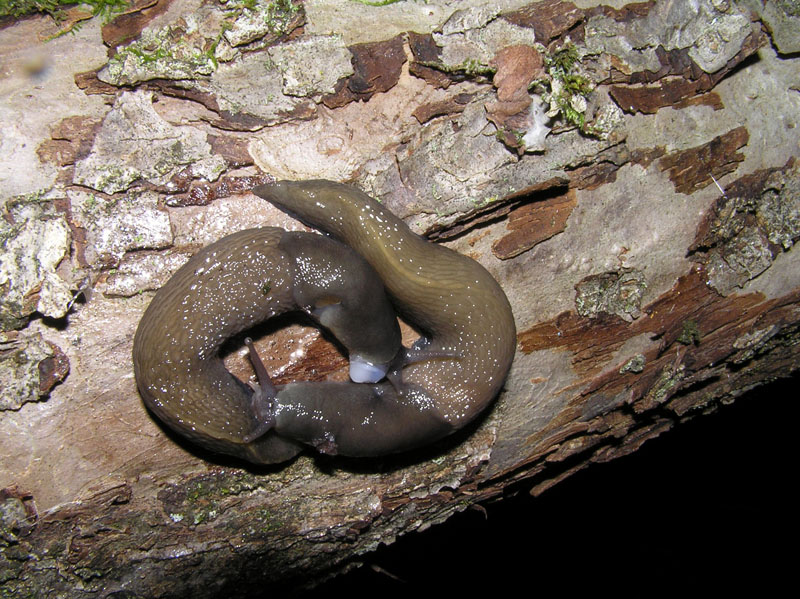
(627,174)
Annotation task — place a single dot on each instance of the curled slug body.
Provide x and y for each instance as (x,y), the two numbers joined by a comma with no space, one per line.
(443,382)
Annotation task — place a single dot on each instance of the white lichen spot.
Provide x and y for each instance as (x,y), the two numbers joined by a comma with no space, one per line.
(19,370)
(114,227)
(31,252)
(134,143)
(312,65)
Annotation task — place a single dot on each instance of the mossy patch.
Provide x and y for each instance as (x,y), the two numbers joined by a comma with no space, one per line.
(55,8)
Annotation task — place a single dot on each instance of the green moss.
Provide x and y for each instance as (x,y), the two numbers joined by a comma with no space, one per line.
(238,5)
(279,15)
(577,84)
(21,8)
(148,57)
(170,53)
(570,115)
(55,8)
(563,59)
(269,522)
(568,90)
(90,203)
(482,202)
(435,194)
(116,177)
(473,68)
(211,53)
(470,67)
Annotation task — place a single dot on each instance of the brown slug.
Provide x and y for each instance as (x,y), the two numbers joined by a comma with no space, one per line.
(406,397)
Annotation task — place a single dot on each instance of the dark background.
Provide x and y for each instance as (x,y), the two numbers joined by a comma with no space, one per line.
(711,504)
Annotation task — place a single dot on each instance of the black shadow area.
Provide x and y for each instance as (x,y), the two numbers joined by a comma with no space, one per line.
(711,504)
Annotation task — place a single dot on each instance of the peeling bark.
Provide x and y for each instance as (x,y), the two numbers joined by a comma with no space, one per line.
(647,248)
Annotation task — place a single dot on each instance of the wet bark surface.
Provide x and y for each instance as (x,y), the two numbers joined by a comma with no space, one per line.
(628,174)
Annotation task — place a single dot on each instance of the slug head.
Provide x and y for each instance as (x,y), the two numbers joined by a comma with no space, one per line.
(346,296)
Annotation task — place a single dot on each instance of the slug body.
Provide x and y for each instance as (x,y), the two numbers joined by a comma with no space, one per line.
(446,379)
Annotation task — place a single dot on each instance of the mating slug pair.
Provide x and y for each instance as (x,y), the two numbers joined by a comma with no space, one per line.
(354,282)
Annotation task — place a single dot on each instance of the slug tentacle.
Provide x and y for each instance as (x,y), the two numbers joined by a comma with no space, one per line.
(262,402)
(406,398)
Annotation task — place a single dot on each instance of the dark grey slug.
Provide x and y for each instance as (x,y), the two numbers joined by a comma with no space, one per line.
(408,397)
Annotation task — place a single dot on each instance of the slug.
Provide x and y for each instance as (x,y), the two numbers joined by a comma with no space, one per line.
(399,399)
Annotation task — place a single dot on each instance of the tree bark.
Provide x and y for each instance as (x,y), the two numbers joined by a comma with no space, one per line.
(629,176)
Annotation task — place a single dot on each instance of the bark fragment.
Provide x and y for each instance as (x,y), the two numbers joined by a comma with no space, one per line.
(696,168)
(453,105)
(29,367)
(678,81)
(617,292)
(376,68)
(517,67)
(71,140)
(534,222)
(129,25)
(34,239)
(426,52)
(550,19)
(751,223)
(135,143)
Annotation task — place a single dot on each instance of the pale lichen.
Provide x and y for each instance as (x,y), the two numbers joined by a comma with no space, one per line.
(254,19)
(665,386)
(19,370)
(177,51)
(635,364)
(142,272)
(135,143)
(782,18)
(737,261)
(690,333)
(778,212)
(615,292)
(35,239)
(312,66)
(116,226)
(712,33)
(750,229)
(190,48)
(252,85)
